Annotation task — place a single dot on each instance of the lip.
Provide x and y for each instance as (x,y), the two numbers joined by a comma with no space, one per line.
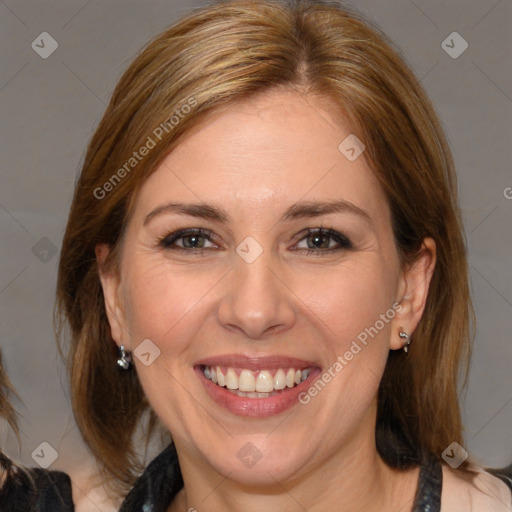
(256,407)
(255,363)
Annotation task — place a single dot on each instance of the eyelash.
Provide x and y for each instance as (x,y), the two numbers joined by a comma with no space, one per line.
(168,240)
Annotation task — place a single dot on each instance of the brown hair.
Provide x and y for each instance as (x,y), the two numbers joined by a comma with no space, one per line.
(6,409)
(221,54)
(7,412)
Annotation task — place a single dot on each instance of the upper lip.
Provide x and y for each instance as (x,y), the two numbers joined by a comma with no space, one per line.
(255,363)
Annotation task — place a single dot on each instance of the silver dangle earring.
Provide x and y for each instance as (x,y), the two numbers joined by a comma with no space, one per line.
(125,358)
(404,336)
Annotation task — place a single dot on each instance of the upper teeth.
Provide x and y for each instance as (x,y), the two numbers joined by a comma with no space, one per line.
(262,380)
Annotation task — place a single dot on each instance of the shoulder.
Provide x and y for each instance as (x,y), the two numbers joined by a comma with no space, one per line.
(478,492)
(88,487)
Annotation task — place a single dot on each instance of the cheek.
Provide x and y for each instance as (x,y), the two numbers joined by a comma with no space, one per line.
(162,301)
(353,309)
(350,298)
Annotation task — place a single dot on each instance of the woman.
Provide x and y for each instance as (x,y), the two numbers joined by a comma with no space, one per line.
(25,490)
(265,253)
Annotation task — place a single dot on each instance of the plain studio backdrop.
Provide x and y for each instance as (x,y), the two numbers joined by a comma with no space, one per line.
(60,62)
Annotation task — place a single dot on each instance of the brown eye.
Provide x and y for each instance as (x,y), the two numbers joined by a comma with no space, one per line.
(318,241)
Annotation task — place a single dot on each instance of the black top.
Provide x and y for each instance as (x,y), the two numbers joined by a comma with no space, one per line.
(36,490)
(430,484)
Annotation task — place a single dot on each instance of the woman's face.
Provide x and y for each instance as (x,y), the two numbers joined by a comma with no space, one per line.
(249,293)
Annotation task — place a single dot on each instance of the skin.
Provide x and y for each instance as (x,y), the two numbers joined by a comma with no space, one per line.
(254,160)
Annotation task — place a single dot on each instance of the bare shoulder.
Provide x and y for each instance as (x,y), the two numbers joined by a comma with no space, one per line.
(480,492)
(89,494)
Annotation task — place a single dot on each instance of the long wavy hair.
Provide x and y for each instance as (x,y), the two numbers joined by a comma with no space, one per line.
(216,56)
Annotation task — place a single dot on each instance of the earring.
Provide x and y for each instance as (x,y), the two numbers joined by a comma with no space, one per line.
(403,335)
(125,358)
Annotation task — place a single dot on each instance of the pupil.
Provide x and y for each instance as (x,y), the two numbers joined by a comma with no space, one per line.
(192,241)
(319,241)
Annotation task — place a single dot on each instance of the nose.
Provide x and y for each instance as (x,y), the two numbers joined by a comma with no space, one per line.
(256,300)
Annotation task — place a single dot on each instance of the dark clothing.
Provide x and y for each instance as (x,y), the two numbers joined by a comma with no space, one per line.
(36,490)
(430,484)
(155,489)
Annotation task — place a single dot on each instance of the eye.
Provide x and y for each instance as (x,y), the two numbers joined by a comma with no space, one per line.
(187,239)
(320,241)
(196,240)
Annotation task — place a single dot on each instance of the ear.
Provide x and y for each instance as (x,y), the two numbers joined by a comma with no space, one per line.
(113,296)
(412,292)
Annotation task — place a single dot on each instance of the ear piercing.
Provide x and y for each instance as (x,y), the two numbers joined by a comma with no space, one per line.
(125,358)
(404,336)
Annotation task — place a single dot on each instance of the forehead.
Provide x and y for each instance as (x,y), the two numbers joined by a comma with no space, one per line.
(261,155)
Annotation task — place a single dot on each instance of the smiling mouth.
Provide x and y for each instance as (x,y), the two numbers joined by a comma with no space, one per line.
(255,384)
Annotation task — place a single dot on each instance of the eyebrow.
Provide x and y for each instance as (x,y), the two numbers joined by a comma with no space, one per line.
(302,209)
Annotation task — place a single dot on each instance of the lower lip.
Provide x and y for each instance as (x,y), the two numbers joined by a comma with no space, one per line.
(256,407)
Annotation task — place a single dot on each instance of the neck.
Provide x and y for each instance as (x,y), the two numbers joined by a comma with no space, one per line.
(350,480)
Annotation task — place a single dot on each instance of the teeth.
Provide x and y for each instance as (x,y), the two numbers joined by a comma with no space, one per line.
(256,384)
(280,379)
(253,395)
(264,382)
(221,381)
(290,378)
(246,382)
(231,379)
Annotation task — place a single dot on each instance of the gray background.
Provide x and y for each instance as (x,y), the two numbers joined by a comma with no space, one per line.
(50,107)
